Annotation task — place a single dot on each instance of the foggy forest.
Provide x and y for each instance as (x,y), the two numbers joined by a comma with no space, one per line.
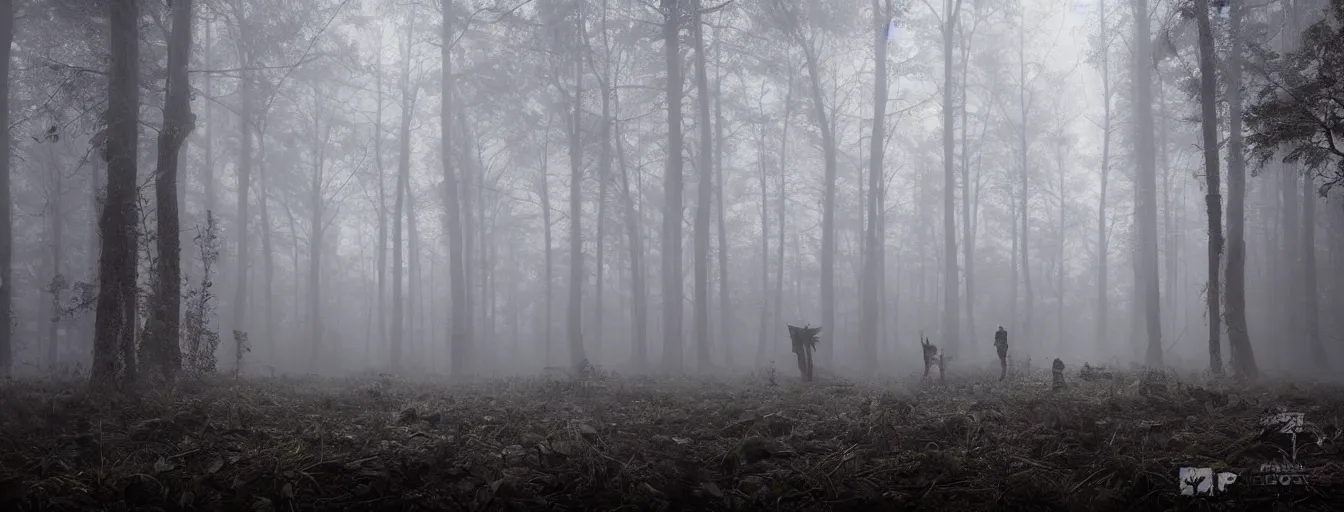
(742,235)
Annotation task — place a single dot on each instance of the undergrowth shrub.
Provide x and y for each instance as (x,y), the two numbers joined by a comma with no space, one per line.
(199,340)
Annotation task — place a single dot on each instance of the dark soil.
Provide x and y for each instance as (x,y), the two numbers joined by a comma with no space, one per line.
(603,442)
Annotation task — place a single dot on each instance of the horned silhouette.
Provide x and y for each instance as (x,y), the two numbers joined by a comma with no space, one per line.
(805,340)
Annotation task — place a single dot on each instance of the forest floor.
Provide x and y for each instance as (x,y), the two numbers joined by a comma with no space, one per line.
(606,442)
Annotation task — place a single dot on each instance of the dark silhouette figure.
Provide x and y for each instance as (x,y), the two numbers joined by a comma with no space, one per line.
(1057,375)
(1001,344)
(804,340)
(930,356)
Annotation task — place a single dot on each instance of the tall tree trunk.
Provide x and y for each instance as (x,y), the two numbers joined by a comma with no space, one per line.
(1137,299)
(414,276)
(951,317)
(1169,248)
(1238,333)
(460,339)
(267,253)
(1290,259)
(296,307)
(1014,268)
(1268,251)
(798,303)
(967,218)
(57,212)
(369,304)
(672,190)
(399,207)
(1169,233)
(382,198)
(765,245)
(576,355)
(184,176)
(316,244)
(638,286)
(763,164)
(1059,264)
(432,305)
(246,122)
(469,188)
(161,340)
(515,312)
(1310,291)
(1309,312)
(874,259)
(1213,199)
(1103,249)
(1335,214)
(922,213)
(117,270)
(1029,297)
(704,189)
(93,246)
(725,306)
(604,175)
(491,298)
(783,204)
(546,235)
(208,174)
(828,243)
(1146,189)
(604,178)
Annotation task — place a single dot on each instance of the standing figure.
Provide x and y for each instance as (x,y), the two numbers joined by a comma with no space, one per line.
(1001,344)
(930,355)
(1057,374)
(804,340)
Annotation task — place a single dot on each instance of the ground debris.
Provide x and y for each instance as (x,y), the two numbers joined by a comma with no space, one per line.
(647,444)
(1094,373)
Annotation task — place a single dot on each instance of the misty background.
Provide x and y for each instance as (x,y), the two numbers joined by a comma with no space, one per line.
(498,186)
